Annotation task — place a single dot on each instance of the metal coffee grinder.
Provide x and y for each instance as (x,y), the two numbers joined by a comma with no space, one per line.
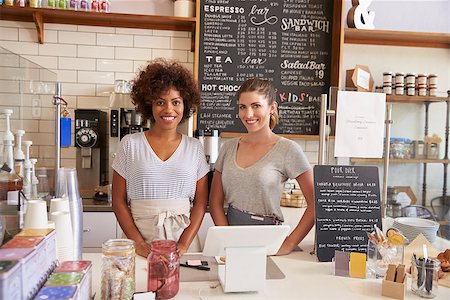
(210,140)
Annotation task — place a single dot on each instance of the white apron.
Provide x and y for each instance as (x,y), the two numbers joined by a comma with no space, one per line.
(163,219)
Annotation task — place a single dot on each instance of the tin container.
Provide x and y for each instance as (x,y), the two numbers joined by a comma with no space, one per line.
(29,268)
(387,89)
(83,267)
(67,292)
(399,78)
(422,91)
(432,79)
(399,89)
(411,79)
(387,78)
(49,247)
(10,280)
(68,278)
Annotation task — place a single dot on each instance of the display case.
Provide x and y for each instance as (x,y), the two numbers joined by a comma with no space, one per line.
(28,90)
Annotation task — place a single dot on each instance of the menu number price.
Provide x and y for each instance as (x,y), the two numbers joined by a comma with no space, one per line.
(320,74)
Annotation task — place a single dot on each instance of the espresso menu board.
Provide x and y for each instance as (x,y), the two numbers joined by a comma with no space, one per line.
(347,205)
(287,42)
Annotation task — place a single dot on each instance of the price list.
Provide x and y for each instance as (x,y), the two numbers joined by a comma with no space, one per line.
(287,42)
(347,205)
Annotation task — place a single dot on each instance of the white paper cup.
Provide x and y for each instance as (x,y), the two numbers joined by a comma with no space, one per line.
(59,204)
(51,224)
(63,228)
(184,8)
(36,215)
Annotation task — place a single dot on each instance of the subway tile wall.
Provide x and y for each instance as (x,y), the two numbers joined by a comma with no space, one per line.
(87,60)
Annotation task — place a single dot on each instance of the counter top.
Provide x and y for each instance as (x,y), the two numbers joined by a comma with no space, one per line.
(89,205)
(305,278)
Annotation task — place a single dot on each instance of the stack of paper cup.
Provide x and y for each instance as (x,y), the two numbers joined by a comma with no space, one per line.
(36,214)
(184,8)
(59,204)
(64,236)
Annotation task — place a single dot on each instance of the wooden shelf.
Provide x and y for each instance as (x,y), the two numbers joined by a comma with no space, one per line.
(397,38)
(414,99)
(376,161)
(40,16)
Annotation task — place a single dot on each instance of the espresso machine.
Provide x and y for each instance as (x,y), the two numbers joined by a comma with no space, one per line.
(124,119)
(90,141)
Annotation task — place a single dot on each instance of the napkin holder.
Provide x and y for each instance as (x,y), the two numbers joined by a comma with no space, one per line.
(393,289)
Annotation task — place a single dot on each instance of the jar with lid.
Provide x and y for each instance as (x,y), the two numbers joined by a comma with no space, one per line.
(118,269)
(163,269)
(399,78)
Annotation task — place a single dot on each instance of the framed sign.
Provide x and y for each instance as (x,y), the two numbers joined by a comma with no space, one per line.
(347,205)
(293,43)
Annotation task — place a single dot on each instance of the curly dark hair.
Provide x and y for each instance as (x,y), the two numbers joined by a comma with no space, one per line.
(158,77)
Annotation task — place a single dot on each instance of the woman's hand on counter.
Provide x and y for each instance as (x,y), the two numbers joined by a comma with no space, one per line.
(143,249)
(286,248)
(181,249)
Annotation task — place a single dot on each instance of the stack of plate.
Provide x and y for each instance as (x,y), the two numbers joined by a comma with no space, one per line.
(412,227)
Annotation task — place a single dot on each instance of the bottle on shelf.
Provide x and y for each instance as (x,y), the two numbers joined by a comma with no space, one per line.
(19,157)
(11,184)
(27,170)
(34,179)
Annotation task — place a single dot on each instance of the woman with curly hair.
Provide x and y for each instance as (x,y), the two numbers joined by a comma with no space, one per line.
(160,186)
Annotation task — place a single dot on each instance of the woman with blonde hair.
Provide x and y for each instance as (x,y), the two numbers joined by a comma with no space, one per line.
(250,171)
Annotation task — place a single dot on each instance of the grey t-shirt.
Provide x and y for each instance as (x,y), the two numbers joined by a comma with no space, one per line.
(258,187)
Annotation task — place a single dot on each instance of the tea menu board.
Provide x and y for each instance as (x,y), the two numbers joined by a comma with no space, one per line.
(287,42)
(347,205)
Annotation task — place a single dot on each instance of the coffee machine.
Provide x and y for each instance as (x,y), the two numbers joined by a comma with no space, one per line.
(90,141)
(124,119)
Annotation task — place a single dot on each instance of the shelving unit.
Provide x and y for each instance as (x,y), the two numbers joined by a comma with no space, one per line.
(397,38)
(40,16)
(425,100)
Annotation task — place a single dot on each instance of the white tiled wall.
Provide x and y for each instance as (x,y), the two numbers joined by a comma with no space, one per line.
(87,60)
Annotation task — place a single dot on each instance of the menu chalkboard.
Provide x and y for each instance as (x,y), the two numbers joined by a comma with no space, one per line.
(347,205)
(288,42)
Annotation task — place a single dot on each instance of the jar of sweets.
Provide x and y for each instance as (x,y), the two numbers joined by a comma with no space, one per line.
(118,269)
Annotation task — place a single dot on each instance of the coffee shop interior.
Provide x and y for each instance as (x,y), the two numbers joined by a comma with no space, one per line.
(65,105)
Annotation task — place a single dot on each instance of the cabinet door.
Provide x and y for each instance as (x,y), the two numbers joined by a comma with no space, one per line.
(97,228)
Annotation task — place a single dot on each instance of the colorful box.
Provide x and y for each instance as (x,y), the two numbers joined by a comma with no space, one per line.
(29,266)
(49,235)
(37,243)
(10,280)
(68,292)
(80,266)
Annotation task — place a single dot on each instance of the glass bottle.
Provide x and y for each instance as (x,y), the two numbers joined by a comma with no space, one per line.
(118,269)
(163,269)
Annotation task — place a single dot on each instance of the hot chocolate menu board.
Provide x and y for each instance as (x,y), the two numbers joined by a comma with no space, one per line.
(287,42)
(347,205)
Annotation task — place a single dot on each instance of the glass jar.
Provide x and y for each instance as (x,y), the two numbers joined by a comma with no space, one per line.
(380,256)
(163,269)
(118,269)
(424,277)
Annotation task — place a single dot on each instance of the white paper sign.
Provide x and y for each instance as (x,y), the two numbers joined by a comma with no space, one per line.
(363,79)
(360,124)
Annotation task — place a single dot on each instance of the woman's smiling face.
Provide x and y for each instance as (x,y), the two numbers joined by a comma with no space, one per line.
(168,109)
(255,111)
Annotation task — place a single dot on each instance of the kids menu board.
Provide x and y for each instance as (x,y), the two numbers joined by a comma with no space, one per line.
(288,42)
(347,205)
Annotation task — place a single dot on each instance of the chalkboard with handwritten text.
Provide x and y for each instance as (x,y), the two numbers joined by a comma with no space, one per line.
(288,42)
(347,205)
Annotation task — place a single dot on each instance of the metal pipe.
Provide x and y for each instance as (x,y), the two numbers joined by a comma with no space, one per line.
(322,129)
(387,146)
(57,103)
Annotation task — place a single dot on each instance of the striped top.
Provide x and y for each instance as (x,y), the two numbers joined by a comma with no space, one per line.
(148,177)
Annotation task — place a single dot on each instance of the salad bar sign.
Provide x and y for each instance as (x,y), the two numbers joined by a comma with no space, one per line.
(287,42)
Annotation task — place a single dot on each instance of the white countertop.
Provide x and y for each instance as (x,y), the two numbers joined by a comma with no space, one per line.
(305,279)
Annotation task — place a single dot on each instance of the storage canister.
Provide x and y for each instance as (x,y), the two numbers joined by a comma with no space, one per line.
(422,80)
(387,89)
(399,89)
(118,269)
(422,91)
(399,78)
(432,80)
(387,78)
(411,79)
(163,269)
